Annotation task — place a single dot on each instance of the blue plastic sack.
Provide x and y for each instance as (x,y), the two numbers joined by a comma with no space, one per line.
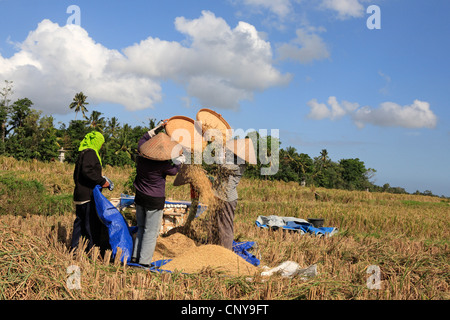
(241,249)
(118,230)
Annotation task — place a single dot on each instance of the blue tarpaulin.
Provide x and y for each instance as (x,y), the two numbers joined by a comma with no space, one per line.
(293,224)
(118,231)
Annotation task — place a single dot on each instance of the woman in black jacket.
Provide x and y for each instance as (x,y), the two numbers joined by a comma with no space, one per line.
(87,175)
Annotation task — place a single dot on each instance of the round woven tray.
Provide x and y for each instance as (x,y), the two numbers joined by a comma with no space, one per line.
(186,123)
(213,120)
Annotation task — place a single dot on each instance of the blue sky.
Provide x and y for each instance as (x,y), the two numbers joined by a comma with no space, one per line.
(310,68)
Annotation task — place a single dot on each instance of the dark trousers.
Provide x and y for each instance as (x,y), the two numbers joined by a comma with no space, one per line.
(87,224)
(225,223)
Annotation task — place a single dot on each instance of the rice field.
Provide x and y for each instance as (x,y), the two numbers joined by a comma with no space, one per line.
(405,236)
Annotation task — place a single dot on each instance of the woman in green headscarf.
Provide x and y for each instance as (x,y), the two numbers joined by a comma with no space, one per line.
(87,175)
(93,140)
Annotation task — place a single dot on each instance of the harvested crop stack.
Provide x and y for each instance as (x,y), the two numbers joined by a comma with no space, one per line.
(213,257)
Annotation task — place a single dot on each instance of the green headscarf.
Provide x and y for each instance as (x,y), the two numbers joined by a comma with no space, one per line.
(93,140)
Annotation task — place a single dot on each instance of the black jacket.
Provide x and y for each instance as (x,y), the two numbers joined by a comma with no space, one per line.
(87,174)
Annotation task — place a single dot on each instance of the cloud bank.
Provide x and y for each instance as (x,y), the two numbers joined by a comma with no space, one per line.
(220,66)
(388,114)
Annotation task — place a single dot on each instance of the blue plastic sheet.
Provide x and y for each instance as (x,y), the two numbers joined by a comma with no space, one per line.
(294,224)
(155,266)
(118,230)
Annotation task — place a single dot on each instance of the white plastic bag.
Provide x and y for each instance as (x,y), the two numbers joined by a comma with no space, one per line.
(291,269)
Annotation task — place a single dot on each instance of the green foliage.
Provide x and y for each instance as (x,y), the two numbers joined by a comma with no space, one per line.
(321,171)
(129,184)
(21,197)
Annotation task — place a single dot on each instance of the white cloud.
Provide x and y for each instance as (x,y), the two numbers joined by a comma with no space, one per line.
(306,47)
(56,62)
(220,66)
(389,114)
(336,111)
(318,110)
(344,8)
(280,7)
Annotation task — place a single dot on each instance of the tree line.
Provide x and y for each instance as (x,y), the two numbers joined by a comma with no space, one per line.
(28,134)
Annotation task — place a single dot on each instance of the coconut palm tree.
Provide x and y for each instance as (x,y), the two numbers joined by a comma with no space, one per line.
(96,122)
(113,127)
(324,159)
(79,104)
(124,142)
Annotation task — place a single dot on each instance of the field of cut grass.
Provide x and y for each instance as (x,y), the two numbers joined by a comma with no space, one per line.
(405,236)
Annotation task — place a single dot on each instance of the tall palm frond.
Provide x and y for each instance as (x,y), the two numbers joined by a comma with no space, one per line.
(79,104)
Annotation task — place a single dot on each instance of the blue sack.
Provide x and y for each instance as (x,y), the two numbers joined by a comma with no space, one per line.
(118,230)
(241,249)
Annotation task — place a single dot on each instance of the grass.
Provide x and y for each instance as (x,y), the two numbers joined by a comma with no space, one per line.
(407,236)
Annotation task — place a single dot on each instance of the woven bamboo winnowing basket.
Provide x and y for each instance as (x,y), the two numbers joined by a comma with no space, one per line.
(182,129)
(213,120)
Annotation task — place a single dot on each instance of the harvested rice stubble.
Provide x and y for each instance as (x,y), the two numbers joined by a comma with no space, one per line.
(216,257)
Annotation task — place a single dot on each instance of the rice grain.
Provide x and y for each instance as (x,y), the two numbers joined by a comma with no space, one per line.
(214,257)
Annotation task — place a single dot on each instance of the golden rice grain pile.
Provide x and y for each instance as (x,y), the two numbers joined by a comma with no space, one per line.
(214,258)
(172,246)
